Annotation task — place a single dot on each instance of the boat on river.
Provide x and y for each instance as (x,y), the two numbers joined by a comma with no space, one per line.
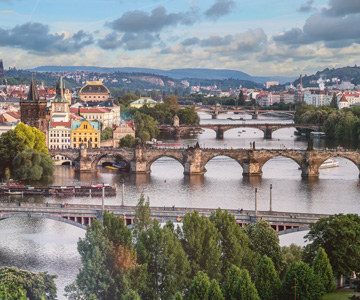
(13,193)
(329,163)
(111,168)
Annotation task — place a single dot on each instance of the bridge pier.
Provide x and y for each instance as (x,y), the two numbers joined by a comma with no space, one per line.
(219,133)
(192,162)
(138,165)
(255,116)
(267,132)
(176,133)
(215,116)
(251,168)
(84,163)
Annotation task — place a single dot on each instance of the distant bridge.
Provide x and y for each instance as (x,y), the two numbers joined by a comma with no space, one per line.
(216,110)
(267,128)
(194,159)
(82,215)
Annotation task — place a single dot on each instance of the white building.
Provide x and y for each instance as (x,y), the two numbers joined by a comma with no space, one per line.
(317,98)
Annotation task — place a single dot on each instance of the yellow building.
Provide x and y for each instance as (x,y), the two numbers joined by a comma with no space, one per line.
(94,91)
(85,132)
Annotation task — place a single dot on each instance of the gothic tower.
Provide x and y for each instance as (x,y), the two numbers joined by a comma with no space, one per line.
(60,106)
(33,110)
(1,68)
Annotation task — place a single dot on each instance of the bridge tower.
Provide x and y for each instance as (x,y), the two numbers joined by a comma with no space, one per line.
(255,116)
(216,113)
(83,163)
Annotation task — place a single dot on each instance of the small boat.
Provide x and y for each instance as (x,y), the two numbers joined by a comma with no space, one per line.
(10,193)
(30,192)
(239,131)
(111,168)
(329,163)
(243,130)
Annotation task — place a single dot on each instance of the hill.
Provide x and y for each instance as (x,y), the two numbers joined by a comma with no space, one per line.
(209,74)
(351,74)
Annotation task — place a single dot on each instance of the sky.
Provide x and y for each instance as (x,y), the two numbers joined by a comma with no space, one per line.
(259,37)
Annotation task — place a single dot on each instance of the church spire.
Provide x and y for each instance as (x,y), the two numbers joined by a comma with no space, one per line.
(60,88)
(33,94)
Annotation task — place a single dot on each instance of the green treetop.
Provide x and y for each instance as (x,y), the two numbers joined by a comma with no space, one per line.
(199,287)
(267,280)
(146,127)
(323,270)
(214,291)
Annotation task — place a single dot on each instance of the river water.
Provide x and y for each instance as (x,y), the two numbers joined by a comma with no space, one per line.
(46,245)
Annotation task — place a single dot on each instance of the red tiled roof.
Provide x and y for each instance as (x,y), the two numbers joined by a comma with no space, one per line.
(343,99)
(84,110)
(65,124)
(15,115)
(75,117)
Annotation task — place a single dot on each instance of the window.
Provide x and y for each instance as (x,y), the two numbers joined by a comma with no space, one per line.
(84,139)
(95,139)
(74,139)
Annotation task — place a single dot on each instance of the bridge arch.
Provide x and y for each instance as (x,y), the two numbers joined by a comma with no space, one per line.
(286,155)
(115,155)
(80,222)
(208,158)
(338,154)
(159,156)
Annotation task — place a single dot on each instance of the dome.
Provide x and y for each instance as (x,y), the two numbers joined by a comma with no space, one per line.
(94,87)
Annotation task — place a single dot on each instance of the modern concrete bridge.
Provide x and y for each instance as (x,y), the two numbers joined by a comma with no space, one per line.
(266,128)
(82,215)
(194,159)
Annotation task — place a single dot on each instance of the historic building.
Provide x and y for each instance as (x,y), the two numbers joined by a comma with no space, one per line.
(59,134)
(85,132)
(107,116)
(60,106)
(121,131)
(143,101)
(33,109)
(94,91)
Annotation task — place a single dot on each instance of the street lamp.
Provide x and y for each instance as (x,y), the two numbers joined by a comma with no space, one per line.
(123,192)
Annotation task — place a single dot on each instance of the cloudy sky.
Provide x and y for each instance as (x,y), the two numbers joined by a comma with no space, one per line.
(259,37)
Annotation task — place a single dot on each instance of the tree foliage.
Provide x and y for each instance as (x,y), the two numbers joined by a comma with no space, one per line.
(31,165)
(131,295)
(17,140)
(267,280)
(234,242)
(243,288)
(323,270)
(232,277)
(307,284)
(145,127)
(172,101)
(165,262)
(142,220)
(214,291)
(334,102)
(127,141)
(201,242)
(290,254)
(265,241)
(19,294)
(199,286)
(339,236)
(188,116)
(38,286)
(106,134)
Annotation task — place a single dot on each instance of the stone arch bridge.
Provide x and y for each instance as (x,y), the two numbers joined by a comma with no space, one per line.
(266,128)
(194,159)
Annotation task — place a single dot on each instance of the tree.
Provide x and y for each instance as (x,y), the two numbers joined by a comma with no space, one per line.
(232,278)
(17,140)
(234,242)
(146,127)
(38,286)
(241,99)
(201,242)
(243,288)
(32,137)
(323,270)
(265,241)
(339,236)
(19,294)
(290,254)
(334,102)
(31,165)
(131,295)
(7,175)
(178,296)
(127,99)
(172,102)
(165,261)
(142,220)
(199,286)
(127,141)
(307,284)
(267,279)
(188,116)
(214,291)
(108,261)
(106,134)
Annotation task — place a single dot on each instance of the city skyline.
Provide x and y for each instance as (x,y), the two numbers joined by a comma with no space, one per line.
(259,38)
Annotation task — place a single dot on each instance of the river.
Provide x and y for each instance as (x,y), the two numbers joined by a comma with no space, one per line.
(46,245)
